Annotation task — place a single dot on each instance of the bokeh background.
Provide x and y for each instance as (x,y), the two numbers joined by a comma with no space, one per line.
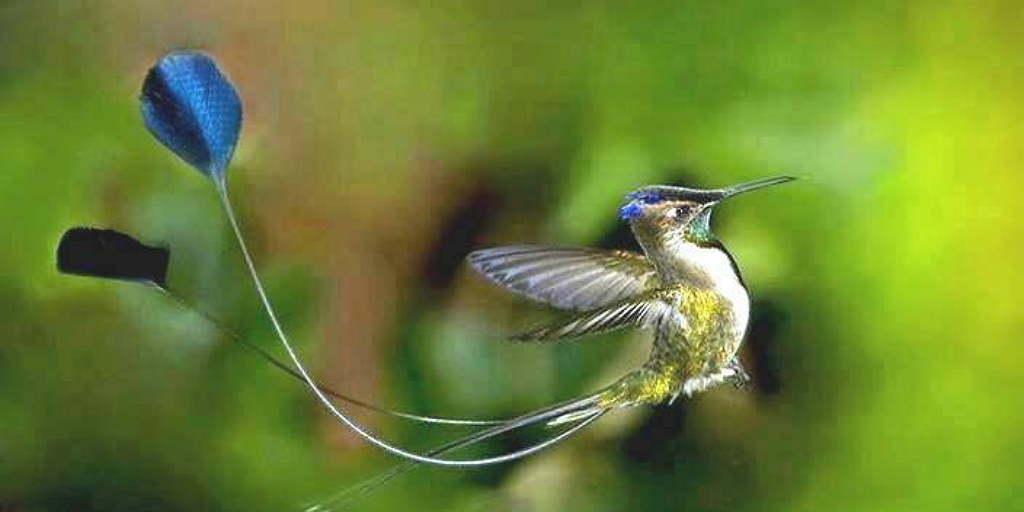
(385,140)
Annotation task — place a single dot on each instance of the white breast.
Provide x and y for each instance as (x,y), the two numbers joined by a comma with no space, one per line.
(711,268)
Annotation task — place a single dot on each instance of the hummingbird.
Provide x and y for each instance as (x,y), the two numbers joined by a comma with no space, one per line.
(686,287)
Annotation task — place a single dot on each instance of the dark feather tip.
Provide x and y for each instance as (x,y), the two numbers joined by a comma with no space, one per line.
(110,254)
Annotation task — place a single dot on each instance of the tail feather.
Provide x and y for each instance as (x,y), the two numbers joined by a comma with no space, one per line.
(582,411)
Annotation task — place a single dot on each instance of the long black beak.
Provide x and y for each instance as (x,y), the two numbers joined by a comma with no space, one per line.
(727,192)
(655,193)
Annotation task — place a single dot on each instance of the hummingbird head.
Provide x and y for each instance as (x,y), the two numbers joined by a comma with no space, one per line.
(687,211)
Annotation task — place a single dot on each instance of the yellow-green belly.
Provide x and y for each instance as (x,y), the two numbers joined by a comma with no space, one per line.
(704,344)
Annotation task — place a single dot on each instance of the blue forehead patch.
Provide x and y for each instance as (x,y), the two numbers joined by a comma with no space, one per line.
(637,202)
(630,210)
(192,108)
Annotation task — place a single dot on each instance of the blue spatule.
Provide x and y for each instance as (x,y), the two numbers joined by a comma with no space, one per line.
(190,106)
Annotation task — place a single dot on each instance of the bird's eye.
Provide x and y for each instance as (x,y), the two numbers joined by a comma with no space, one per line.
(679,212)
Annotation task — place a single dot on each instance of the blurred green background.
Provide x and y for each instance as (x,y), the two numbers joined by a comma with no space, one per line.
(385,140)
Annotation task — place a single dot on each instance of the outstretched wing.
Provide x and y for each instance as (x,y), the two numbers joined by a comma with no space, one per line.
(643,311)
(567,278)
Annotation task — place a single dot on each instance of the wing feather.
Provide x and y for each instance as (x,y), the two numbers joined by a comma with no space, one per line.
(644,311)
(567,278)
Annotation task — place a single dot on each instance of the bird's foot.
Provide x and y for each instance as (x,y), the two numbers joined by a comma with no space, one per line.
(740,378)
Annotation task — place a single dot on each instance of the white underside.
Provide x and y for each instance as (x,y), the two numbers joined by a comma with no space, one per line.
(712,267)
(703,382)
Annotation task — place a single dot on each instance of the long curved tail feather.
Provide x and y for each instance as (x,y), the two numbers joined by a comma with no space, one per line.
(584,411)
